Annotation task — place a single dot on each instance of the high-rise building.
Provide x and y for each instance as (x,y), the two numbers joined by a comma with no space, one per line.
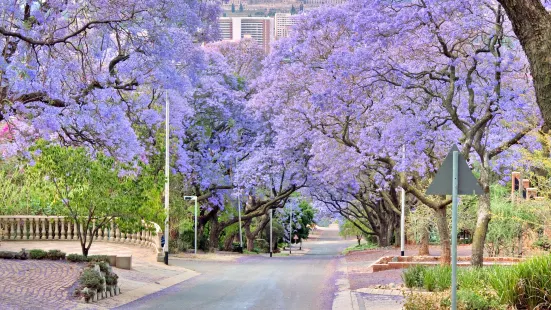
(261,29)
(321,2)
(283,24)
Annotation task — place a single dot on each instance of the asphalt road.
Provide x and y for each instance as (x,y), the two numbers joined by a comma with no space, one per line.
(257,282)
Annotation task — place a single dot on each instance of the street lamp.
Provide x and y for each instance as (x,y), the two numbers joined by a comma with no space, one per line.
(271,228)
(167,175)
(403,213)
(194,198)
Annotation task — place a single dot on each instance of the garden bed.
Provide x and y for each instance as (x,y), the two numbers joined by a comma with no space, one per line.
(399,262)
(524,285)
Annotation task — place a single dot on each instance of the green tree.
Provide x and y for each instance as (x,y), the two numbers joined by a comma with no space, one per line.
(240,7)
(348,229)
(293,10)
(93,190)
(233,8)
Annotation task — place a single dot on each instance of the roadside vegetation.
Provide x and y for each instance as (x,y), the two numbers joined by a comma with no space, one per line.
(526,285)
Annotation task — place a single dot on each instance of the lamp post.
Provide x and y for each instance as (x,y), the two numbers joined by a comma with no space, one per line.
(290,228)
(271,218)
(403,215)
(194,198)
(167,176)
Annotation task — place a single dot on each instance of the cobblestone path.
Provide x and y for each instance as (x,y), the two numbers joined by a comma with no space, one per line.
(34,284)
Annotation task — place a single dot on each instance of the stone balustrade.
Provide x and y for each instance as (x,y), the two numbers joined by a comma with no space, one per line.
(37,228)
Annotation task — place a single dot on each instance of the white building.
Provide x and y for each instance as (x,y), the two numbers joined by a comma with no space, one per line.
(283,24)
(261,29)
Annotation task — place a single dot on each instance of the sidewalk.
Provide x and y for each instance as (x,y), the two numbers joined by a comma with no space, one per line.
(357,298)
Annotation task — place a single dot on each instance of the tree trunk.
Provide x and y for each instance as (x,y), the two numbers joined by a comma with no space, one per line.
(481,230)
(444,233)
(228,243)
(248,235)
(424,244)
(532,25)
(214,235)
(359,237)
(250,244)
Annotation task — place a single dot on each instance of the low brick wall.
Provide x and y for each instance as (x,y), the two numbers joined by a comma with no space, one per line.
(400,262)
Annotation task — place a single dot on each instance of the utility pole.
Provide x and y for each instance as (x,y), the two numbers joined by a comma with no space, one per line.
(239,214)
(167,175)
(403,215)
(290,227)
(271,229)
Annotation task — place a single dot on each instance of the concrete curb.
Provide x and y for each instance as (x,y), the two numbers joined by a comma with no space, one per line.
(344,298)
(376,291)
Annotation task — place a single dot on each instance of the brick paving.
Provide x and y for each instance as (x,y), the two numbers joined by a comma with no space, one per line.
(44,284)
(37,284)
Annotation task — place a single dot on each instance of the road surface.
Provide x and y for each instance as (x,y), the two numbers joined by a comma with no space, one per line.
(257,282)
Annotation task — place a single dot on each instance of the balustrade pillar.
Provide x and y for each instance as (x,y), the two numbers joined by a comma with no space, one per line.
(50,230)
(118,236)
(24,234)
(32,229)
(43,234)
(75,231)
(18,231)
(63,235)
(55,229)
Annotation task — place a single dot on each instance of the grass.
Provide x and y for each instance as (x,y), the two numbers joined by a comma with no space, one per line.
(361,247)
(526,285)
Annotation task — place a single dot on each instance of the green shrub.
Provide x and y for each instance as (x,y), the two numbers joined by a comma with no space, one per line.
(98,258)
(7,254)
(77,258)
(37,254)
(111,279)
(543,243)
(413,276)
(534,285)
(14,255)
(91,279)
(469,300)
(103,266)
(437,278)
(471,278)
(55,255)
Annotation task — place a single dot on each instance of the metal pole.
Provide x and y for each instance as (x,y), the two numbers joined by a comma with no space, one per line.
(290,227)
(239,214)
(196,208)
(271,218)
(167,175)
(403,215)
(454,228)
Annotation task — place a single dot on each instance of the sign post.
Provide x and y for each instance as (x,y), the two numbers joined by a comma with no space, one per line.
(462,182)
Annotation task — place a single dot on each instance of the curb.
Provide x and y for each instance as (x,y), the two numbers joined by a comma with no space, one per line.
(344,298)
(376,291)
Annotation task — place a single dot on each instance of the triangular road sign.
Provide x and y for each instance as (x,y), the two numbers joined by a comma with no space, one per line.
(442,183)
